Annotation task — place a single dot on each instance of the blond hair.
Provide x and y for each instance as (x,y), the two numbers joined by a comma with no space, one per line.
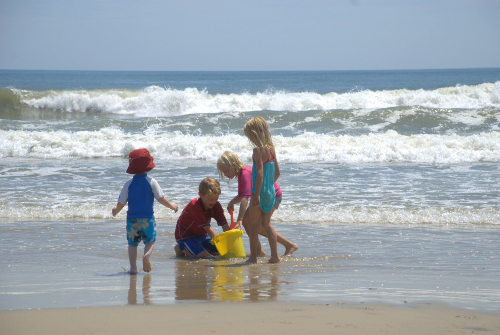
(257,132)
(227,159)
(209,185)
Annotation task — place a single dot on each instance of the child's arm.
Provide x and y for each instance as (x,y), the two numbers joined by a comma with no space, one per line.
(168,204)
(276,167)
(236,200)
(119,206)
(210,231)
(257,157)
(243,207)
(241,213)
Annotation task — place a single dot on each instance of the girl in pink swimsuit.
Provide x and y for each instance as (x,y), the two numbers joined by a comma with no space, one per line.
(230,166)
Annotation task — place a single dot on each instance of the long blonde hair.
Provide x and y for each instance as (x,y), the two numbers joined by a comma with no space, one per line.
(256,130)
(227,159)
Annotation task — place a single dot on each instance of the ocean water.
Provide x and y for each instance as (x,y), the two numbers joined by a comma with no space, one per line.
(390,183)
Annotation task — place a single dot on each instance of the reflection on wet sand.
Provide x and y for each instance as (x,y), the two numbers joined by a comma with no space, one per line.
(225,281)
(191,280)
(146,288)
(263,283)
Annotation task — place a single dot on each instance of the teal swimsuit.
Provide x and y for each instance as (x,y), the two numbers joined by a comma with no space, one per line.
(267,191)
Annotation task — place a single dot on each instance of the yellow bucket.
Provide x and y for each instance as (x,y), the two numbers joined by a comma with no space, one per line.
(230,244)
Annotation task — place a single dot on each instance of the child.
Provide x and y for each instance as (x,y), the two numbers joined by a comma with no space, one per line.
(140,192)
(229,165)
(193,232)
(265,172)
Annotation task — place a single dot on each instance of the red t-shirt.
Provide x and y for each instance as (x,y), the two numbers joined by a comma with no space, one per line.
(245,183)
(194,217)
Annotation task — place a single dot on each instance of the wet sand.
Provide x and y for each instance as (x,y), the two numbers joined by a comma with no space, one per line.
(250,318)
(365,280)
(83,264)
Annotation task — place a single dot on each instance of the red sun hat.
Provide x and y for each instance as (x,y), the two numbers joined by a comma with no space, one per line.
(140,161)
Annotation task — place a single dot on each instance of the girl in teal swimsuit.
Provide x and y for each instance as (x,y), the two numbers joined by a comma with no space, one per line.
(264,173)
(230,166)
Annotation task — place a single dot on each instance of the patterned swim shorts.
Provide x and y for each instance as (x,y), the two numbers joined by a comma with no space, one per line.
(141,230)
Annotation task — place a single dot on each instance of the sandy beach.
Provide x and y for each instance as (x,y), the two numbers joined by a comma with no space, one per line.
(250,318)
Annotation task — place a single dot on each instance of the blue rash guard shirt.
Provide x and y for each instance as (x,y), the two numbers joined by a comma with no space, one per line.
(140,192)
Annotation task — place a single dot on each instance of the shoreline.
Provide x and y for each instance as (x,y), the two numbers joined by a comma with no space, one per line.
(394,266)
(251,318)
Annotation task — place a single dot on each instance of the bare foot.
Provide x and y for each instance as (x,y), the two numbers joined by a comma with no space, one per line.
(290,250)
(261,252)
(132,271)
(251,260)
(146,266)
(274,259)
(178,251)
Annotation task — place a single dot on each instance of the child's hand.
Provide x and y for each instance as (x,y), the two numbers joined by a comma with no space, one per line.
(119,206)
(168,204)
(230,206)
(238,224)
(255,200)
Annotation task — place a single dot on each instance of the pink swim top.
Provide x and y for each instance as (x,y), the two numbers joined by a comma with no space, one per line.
(245,183)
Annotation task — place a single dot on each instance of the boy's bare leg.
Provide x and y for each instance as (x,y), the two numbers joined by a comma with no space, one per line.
(204,254)
(187,253)
(182,253)
(132,257)
(271,236)
(178,251)
(246,219)
(148,250)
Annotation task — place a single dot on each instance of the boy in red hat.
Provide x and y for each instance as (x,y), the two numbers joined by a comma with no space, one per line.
(140,192)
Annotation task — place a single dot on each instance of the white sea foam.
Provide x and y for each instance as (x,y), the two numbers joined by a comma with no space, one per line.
(307,147)
(387,215)
(327,215)
(157,101)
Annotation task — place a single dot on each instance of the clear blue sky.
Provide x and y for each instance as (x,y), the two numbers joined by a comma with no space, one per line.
(162,35)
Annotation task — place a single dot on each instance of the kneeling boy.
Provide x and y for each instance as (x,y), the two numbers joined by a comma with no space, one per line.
(193,232)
